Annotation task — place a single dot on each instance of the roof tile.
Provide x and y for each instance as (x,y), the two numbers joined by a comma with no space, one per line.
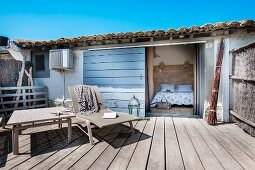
(139,34)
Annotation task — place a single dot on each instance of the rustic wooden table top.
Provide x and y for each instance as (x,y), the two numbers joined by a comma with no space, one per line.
(39,115)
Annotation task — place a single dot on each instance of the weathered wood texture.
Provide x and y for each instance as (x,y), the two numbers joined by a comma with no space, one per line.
(9,72)
(172,74)
(244,87)
(159,143)
(212,115)
(121,72)
(38,98)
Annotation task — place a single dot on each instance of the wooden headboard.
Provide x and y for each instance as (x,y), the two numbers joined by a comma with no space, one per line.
(172,74)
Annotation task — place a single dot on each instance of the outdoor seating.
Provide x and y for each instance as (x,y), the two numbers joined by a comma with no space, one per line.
(97,118)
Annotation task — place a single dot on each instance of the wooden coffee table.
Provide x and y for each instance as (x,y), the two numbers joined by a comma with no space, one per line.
(23,119)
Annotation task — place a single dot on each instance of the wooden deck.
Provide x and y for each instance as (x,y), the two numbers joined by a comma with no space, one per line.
(159,143)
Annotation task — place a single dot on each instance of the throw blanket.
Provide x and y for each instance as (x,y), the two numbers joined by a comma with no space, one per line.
(87,100)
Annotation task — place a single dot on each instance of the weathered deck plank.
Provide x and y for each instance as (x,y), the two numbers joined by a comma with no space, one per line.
(248,149)
(123,157)
(238,132)
(47,153)
(243,159)
(105,159)
(25,149)
(190,157)
(157,146)
(53,157)
(83,151)
(173,153)
(162,143)
(206,156)
(226,160)
(19,159)
(140,156)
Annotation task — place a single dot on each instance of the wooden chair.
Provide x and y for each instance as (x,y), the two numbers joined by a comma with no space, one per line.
(96,118)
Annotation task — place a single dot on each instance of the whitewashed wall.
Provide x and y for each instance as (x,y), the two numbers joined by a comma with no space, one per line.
(59,81)
(225,98)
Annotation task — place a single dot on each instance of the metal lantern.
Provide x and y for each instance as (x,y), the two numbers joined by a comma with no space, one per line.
(134,106)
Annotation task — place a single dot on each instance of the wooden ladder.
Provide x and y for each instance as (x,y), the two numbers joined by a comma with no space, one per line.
(212,116)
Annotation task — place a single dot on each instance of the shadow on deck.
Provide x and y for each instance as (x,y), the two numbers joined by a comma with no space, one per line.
(158,143)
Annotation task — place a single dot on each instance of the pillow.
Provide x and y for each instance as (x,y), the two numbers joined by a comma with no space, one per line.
(185,88)
(167,87)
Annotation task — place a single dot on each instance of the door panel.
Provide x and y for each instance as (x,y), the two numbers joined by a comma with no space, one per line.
(119,73)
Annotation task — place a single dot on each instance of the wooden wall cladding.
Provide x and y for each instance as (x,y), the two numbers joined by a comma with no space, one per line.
(119,74)
(172,74)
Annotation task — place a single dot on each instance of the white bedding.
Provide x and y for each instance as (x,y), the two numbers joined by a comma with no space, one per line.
(178,98)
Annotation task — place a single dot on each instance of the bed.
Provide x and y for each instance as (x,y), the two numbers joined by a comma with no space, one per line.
(180,96)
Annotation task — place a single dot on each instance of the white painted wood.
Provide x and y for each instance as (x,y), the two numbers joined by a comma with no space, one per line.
(139,80)
(120,103)
(122,96)
(22,87)
(115,66)
(113,73)
(114,58)
(120,90)
(226,81)
(118,51)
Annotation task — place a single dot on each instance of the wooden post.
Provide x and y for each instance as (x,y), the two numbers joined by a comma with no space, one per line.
(24,97)
(2,117)
(19,82)
(212,116)
(15,140)
(30,83)
(69,130)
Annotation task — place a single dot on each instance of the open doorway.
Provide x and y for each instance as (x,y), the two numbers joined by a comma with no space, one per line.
(171,77)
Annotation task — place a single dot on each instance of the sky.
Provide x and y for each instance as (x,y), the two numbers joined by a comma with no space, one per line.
(53,19)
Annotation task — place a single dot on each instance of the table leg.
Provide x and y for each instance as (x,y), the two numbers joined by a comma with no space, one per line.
(15,140)
(60,124)
(69,130)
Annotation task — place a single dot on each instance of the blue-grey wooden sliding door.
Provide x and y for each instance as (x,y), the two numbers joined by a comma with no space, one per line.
(119,73)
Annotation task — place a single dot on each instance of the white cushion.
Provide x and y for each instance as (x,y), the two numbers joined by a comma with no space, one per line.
(185,88)
(167,87)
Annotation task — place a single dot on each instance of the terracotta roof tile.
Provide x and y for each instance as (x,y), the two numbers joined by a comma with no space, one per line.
(180,32)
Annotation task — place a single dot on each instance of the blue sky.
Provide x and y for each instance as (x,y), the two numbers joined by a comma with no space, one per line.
(52,19)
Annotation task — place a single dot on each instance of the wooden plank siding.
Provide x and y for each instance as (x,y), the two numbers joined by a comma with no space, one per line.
(30,97)
(158,143)
(120,73)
